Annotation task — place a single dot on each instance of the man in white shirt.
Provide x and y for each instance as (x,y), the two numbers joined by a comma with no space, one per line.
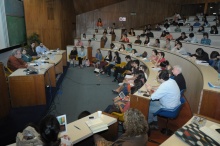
(41,49)
(168,94)
(192,38)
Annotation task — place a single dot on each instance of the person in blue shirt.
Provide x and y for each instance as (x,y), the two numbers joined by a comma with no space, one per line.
(197,23)
(41,49)
(98,58)
(205,40)
(129,48)
(215,58)
(81,56)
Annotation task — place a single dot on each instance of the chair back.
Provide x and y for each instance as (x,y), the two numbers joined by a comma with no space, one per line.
(119,115)
(170,113)
(181,93)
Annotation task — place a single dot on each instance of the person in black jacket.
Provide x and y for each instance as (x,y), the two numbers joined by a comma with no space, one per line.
(178,77)
(126,68)
(116,60)
(201,55)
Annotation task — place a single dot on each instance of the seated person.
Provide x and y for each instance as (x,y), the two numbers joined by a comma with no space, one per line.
(79,42)
(167,46)
(41,49)
(163,34)
(191,38)
(136,129)
(168,36)
(134,52)
(81,56)
(201,29)
(112,32)
(84,37)
(131,33)
(157,27)
(49,132)
(89,43)
(104,38)
(166,27)
(105,31)
(138,41)
(168,94)
(196,23)
(98,58)
(149,33)
(215,57)
(72,56)
(160,58)
(147,41)
(93,38)
(107,59)
(153,56)
(205,40)
(165,65)
(99,23)
(191,28)
(201,55)
(179,49)
(113,47)
(177,29)
(122,48)
(182,37)
(32,50)
(157,43)
(116,60)
(15,62)
(129,48)
(214,30)
(143,34)
(96,31)
(178,77)
(25,57)
(124,38)
(126,68)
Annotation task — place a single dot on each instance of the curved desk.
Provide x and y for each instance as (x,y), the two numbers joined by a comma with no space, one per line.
(197,78)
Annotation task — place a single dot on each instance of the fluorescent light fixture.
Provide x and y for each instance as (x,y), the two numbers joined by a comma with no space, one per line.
(214,13)
(211,7)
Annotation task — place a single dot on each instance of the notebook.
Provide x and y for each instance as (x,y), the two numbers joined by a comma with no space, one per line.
(96,125)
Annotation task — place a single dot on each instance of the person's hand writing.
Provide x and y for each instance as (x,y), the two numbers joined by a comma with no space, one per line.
(148,87)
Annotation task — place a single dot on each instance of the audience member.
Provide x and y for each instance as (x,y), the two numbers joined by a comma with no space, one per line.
(160,58)
(134,52)
(196,24)
(168,36)
(41,49)
(113,47)
(179,49)
(131,33)
(191,29)
(112,32)
(149,33)
(98,58)
(79,43)
(89,43)
(182,37)
(215,57)
(167,46)
(73,55)
(165,65)
(25,57)
(147,41)
(201,55)
(166,27)
(157,43)
(116,60)
(129,48)
(99,23)
(168,94)
(178,77)
(143,34)
(214,30)
(136,129)
(107,59)
(205,40)
(196,18)
(153,57)
(104,38)
(177,29)
(105,31)
(163,34)
(201,29)
(15,62)
(96,31)
(32,50)
(84,37)
(191,38)
(122,48)
(81,56)
(124,38)
(157,27)
(138,41)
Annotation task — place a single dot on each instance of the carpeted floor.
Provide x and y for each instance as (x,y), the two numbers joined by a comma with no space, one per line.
(83,90)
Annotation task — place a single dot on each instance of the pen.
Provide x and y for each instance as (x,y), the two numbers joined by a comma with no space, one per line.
(77,127)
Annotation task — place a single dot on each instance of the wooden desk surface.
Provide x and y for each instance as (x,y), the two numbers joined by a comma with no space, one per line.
(174,140)
(77,135)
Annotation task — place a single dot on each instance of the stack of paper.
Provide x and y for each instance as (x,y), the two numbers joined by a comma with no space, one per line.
(96,125)
(211,132)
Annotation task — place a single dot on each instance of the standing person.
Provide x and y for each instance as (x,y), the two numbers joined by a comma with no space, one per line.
(168,94)
(41,49)
(99,23)
(136,129)
(104,38)
(178,77)
(73,55)
(32,50)
(15,62)
(116,60)
(81,56)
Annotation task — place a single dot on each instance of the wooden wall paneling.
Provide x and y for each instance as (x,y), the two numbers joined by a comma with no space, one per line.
(50,77)
(210,104)
(4,98)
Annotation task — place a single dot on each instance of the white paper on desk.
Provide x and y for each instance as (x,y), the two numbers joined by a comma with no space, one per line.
(202,63)
(156,69)
(211,132)
(32,64)
(128,76)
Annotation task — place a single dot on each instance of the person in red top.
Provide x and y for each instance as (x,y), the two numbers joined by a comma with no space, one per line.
(99,23)
(15,62)
(124,39)
(168,36)
(160,58)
